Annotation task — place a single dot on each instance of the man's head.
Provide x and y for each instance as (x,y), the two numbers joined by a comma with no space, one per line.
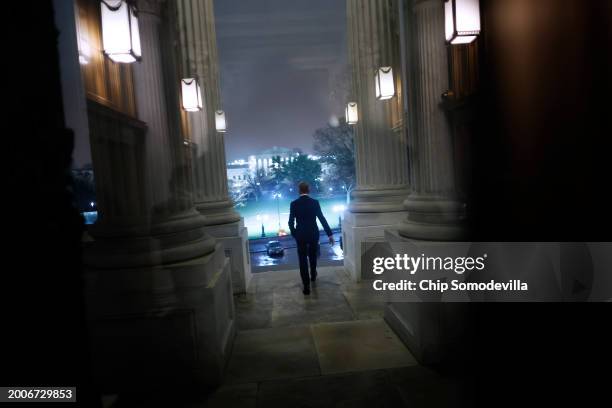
(304,188)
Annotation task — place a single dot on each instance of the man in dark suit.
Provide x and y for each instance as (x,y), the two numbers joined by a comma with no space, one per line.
(305,211)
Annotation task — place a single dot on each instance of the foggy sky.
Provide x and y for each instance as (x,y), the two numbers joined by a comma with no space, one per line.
(283,66)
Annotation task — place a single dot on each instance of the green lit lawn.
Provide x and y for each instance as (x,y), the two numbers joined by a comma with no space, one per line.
(265,211)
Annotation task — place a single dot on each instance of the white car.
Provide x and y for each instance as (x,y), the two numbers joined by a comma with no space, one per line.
(274,248)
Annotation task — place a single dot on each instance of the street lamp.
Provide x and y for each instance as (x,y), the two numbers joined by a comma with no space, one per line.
(385,88)
(120,33)
(462,21)
(351,113)
(277,196)
(191,94)
(262,219)
(340,210)
(220,122)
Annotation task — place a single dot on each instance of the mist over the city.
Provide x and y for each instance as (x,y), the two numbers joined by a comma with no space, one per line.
(283,64)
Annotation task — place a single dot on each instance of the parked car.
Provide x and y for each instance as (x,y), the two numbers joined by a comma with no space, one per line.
(274,248)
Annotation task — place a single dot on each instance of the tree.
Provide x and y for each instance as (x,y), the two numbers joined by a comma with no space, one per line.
(238,193)
(336,147)
(288,174)
(256,184)
(278,172)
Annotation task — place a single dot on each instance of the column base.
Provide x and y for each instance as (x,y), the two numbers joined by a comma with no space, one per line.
(358,228)
(218,212)
(174,239)
(378,200)
(433,332)
(433,219)
(235,239)
(170,325)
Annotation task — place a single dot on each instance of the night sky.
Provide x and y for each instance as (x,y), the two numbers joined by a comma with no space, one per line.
(284,70)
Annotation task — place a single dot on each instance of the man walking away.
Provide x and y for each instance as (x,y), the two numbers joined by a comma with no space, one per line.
(303,216)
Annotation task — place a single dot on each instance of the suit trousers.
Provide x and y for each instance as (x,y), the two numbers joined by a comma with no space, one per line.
(307,253)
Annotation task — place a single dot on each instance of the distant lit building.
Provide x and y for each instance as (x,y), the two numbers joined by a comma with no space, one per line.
(263,160)
(238,170)
(237,173)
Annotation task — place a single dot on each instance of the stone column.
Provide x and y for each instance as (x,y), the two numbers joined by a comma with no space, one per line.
(163,281)
(198,44)
(428,329)
(434,212)
(152,109)
(381,150)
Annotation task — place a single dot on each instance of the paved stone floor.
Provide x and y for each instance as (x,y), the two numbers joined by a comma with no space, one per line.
(329,349)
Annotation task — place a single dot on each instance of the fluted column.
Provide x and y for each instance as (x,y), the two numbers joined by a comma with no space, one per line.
(198,49)
(380,138)
(169,195)
(199,55)
(381,150)
(433,209)
(166,200)
(151,106)
(166,282)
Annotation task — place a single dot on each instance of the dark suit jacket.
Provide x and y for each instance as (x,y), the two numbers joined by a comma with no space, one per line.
(305,211)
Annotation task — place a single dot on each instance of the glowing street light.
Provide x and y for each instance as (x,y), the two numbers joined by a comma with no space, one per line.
(278,196)
(120,33)
(385,87)
(262,218)
(351,113)
(191,94)
(340,210)
(462,21)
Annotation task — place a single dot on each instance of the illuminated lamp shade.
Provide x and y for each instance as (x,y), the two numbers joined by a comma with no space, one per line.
(192,94)
(220,122)
(462,21)
(352,115)
(120,34)
(385,87)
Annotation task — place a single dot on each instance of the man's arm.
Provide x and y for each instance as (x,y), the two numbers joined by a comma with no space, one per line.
(292,219)
(324,223)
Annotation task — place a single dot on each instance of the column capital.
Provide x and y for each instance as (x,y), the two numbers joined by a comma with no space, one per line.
(378,199)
